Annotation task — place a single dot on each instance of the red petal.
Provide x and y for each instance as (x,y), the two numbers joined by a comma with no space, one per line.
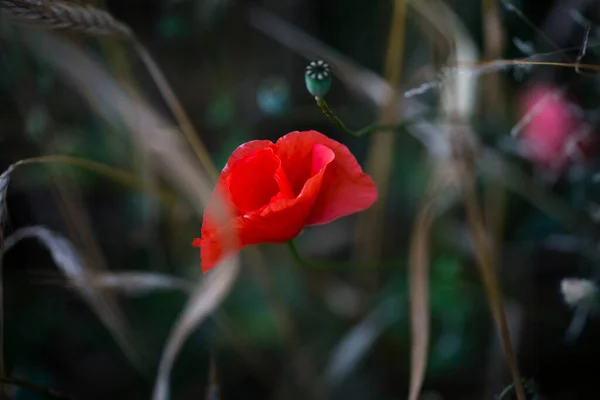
(243,151)
(211,251)
(252,181)
(345,188)
(211,243)
(296,159)
(283,219)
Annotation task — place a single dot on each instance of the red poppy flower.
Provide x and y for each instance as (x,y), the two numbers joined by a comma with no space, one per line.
(273,190)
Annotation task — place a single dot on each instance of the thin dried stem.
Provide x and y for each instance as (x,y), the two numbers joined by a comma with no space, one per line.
(55,394)
(212,391)
(378,164)
(489,277)
(495,212)
(493,97)
(71,16)
(178,111)
(123,177)
(419,298)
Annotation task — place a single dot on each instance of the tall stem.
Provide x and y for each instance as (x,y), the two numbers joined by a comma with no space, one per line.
(362,132)
(489,277)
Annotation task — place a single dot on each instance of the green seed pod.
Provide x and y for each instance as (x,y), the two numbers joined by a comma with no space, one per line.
(318,78)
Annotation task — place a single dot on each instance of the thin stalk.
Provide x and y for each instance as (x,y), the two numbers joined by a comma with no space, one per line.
(419,296)
(301,363)
(493,97)
(510,388)
(369,230)
(178,111)
(325,264)
(489,277)
(36,388)
(495,212)
(213,392)
(361,132)
(296,254)
(123,177)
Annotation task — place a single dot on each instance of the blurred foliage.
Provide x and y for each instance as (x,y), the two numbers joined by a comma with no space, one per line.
(237,85)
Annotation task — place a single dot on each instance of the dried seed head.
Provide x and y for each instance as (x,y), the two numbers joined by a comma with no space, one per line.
(318,78)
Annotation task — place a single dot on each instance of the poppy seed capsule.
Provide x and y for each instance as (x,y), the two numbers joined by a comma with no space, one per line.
(318,78)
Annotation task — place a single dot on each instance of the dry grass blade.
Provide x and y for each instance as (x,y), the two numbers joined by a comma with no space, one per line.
(114,174)
(356,343)
(167,153)
(66,15)
(490,281)
(69,262)
(453,41)
(516,180)
(42,390)
(494,36)
(419,298)
(209,294)
(459,90)
(178,111)
(4,181)
(89,20)
(139,283)
(378,164)
(458,100)
(212,391)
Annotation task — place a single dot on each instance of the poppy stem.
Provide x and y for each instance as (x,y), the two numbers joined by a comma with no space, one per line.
(362,132)
(315,264)
(296,254)
(329,264)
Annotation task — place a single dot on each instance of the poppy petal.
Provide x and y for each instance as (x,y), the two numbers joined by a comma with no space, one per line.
(252,181)
(211,251)
(345,188)
(295,154)
(243,151)
(211,242)
(282,220)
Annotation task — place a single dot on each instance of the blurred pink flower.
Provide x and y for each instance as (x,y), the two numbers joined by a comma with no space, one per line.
(552,137)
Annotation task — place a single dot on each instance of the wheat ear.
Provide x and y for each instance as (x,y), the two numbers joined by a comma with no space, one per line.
(66,15)
(69,15)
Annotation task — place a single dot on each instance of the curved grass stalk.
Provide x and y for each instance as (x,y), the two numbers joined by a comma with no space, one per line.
(489,277)
(123,177)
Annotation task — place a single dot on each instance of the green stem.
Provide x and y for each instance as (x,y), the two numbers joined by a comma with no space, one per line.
(362,132)
(295,254)
(329,264)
